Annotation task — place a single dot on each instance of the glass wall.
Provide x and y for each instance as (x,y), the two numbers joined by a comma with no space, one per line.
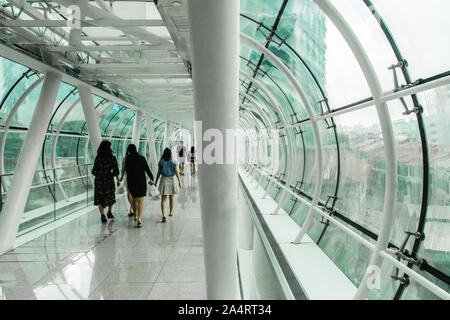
(62,183)
(352,137)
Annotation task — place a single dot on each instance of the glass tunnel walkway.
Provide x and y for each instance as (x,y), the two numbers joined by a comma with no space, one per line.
(341,186)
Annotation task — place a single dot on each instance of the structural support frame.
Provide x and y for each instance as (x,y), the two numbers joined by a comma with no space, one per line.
(215,48)
(27,162)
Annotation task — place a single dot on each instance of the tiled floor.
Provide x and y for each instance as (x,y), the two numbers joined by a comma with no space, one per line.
(85,259)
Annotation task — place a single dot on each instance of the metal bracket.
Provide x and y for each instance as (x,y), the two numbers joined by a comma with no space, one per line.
(298,130)
(398,87)
(281,177)
(320,102)
(293,206)
(254,90)
(292,116)
(280,43)
(403,254)
(298,186)
(278,124)
(263,73)
(330,123)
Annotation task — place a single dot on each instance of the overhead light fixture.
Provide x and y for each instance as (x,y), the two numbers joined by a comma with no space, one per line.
(176,3)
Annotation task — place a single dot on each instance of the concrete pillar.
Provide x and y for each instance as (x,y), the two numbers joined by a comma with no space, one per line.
(215,51)
(90,116)
(137,128)
(26,165)
(151,143)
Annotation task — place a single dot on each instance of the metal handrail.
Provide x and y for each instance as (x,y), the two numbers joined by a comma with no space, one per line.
(49,169)
(383,253)
(52,183)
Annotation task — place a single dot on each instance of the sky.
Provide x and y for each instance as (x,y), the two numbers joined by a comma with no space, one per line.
(421,32)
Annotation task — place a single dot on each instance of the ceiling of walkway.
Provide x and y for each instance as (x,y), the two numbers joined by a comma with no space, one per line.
(136,50)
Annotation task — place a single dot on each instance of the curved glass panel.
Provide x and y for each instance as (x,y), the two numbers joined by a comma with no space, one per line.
(420,32)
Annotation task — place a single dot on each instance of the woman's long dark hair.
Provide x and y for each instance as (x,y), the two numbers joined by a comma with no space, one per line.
(192,149)
(104,150)
(167,154)
(131,149)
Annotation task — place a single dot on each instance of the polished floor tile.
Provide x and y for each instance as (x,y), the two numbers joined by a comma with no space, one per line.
(178,291)
(85,259)
(123,291)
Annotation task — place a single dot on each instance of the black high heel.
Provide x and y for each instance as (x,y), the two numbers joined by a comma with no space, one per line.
(104,218)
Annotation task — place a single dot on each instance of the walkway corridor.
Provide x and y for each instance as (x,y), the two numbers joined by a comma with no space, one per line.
(85,259)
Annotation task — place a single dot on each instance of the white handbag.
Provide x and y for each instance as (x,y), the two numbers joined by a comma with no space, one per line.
(121,189)
(152,190)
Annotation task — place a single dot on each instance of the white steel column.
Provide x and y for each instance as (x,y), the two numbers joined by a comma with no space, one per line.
(26,165)
(125,142)
(90,116)
(168,132)
(215,50)
(137,128)
(151,142)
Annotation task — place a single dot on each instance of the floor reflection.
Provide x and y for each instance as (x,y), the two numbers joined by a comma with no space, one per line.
(85,259)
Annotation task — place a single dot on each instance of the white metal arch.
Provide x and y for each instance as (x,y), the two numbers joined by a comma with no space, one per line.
(250,131)
(55,141)
(129,132)
(118,123)
(249,117)
(265,119)
(86,145)
(258,104)
(387,132)
(319,158)
(284,123)
(7,125)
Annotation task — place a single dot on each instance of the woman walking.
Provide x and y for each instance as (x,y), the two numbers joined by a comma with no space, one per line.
(136,167)
(129,197)
(105,169)
(167,168)
(192,160)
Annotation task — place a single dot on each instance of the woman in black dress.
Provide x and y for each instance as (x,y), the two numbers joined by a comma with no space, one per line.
(105,169)
(136,167)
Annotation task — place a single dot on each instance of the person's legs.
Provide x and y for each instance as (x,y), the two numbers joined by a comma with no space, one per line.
(181,167)
(110,215)
(141,205)
(171,204)
(102,213)
(140,210)
(163,206)
(130,201)
(134,205)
